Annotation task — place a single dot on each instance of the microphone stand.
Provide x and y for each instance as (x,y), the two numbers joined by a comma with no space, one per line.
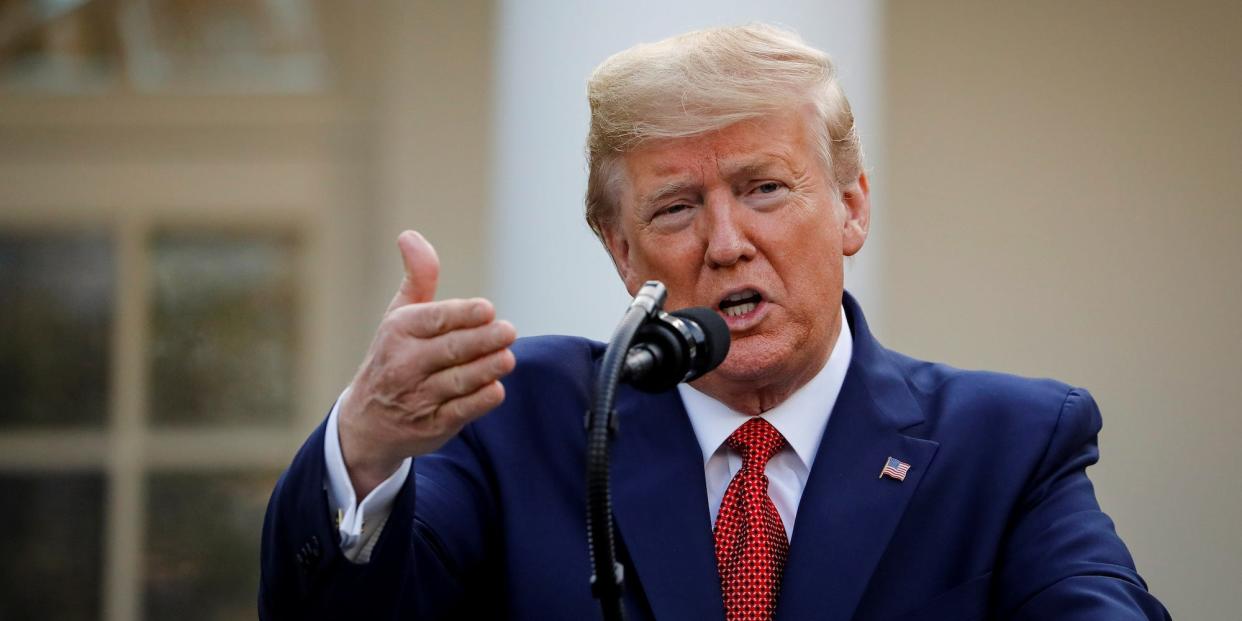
(607,574)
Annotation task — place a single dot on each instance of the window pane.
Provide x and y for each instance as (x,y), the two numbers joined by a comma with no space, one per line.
(52,543)
(244,46)
(61,46)
(184,46)
(56,305)
(224,328)
(202,559)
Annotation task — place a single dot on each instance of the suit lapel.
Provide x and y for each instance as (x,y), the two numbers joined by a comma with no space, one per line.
(845,518)
(660,506)
(847,514)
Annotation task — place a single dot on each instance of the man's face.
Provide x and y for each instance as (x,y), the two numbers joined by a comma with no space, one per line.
(745,221)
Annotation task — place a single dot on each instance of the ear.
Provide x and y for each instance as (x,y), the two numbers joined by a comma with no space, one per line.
(619,249)
(856,199)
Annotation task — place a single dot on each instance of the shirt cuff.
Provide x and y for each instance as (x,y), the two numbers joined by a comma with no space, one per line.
(359,523)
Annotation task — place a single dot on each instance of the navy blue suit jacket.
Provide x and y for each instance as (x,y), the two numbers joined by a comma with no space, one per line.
(996,518)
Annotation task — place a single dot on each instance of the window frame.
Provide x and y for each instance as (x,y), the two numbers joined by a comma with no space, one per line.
(287,180)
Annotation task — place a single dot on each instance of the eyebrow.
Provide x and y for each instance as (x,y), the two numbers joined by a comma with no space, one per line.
(666,190)
(753,168)
(761,168)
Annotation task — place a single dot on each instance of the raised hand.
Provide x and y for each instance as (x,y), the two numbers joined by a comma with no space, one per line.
(432,368)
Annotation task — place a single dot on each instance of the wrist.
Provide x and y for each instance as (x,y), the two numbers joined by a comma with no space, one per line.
(366,463)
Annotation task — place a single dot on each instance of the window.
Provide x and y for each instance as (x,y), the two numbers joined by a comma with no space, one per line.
(217,352)
(160,46)
(180,233)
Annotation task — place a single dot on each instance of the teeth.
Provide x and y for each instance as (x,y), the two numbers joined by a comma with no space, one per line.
(741,295)
(739,310)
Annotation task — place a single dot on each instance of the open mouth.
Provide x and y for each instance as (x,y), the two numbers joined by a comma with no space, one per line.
(740,303)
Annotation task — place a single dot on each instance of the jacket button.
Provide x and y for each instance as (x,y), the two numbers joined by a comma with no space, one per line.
(308,555)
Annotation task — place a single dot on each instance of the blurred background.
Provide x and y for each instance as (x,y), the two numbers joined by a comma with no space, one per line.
(199,201)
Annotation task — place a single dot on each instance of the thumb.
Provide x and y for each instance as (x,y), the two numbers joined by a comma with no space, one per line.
(422,270)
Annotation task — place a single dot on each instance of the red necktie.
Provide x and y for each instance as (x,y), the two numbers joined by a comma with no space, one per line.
(750,539)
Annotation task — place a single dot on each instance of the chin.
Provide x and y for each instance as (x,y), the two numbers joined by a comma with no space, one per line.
(753,361)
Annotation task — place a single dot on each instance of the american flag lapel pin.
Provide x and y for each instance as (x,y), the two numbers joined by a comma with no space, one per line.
(895,469)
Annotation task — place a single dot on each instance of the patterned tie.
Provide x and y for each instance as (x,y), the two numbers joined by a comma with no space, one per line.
(750,539)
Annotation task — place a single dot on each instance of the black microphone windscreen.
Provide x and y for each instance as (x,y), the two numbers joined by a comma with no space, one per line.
(714,329)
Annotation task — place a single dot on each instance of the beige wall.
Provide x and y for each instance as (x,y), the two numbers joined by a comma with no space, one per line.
(414,79)
(397,139)
(431,119)
(1063,200)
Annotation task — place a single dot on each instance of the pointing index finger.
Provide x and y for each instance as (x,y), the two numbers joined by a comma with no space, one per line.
(435,318)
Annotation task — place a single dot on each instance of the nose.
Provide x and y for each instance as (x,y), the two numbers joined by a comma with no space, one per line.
(728,242)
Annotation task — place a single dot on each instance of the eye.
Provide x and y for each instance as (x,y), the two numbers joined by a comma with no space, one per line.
(673,210)
(766,194)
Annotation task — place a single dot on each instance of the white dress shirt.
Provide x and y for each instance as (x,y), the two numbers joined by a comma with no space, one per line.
(360,523)
(801,418)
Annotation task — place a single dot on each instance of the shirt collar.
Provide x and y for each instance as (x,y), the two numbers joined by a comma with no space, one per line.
(801,418)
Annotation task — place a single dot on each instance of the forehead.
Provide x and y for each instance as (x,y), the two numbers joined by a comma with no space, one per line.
(779,140)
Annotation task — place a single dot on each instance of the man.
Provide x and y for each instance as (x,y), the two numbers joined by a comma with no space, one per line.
(814,474)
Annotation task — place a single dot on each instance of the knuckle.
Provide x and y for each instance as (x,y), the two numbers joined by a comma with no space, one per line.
(454,416)
(446,410)
(402,322)
(453,350)
(458,382)
(391,374)
(399,371)
(436,321)
(479,308)
(404,314)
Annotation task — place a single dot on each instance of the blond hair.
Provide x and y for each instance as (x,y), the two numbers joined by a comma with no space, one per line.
(704,81)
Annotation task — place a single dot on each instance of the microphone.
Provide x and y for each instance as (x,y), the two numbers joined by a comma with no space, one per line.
(652,350)
(676,347)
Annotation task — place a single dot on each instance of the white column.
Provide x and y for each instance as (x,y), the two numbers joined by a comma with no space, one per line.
(547,272)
